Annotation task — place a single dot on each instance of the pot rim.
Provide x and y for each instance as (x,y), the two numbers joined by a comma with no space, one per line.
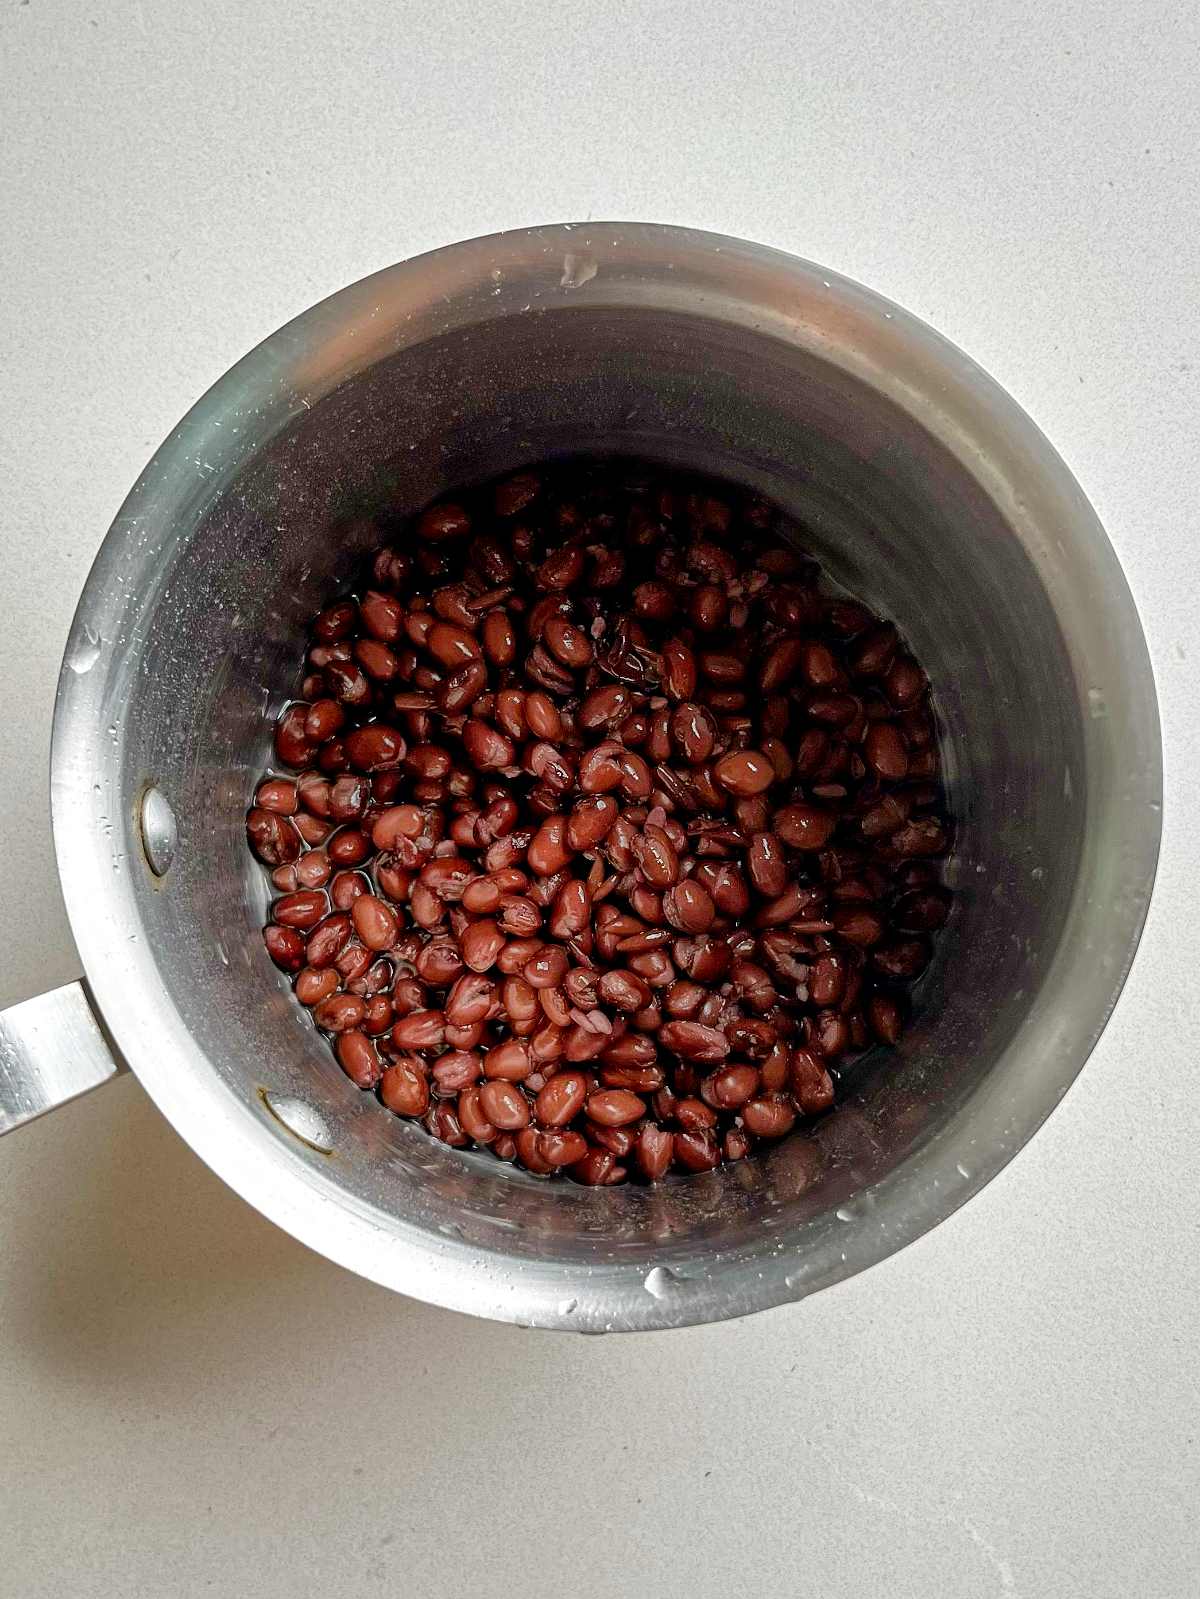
(849,325)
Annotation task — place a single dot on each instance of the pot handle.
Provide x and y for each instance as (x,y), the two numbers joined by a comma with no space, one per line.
(52,1048)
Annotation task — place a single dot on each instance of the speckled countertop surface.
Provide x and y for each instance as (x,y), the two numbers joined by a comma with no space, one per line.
(190,1402)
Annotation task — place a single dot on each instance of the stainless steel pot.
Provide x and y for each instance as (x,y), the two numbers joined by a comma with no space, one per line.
(923,488)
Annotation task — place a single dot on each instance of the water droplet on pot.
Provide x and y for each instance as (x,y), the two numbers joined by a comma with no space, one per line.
(660,1281)
(85,653)
(577,270)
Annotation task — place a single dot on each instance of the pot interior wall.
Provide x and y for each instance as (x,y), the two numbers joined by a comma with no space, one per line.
(891,515)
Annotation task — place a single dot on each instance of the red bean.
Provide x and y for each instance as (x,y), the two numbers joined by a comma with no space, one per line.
(474,1122)
(655,855)
(481,944)
(509,1060)
(885,1017)
(766,864)
(545,969)
(754,985)
(376,659)
(689,907)
(451,645)
(726,886)
(353,962)
(811,1084)
(542,716)
(737,1144)
(805,827)
(442,522)
(603,706)
(623,991)
(904,683)
(486,747)
(858,925)
(517,954)
(561,1148)
(781,664)
(312,986)
(327,940)
(349,682)
(694,1042)
(597,1168)
(561,1100)
(374,922)
(313,830)
(885,752)
(340,1012)
(924,836)
(655,1151)
(439,962)
(350,847)
(442,1122)
(382,616)
(571,912)
(272,837)
(654,601)
(600,770)
(730,1087)
(591,821)
(423,1029)
(549,851)
(744,772)
(515,493)
(679,670)
(349,797)
(455,1070)
(694,732)
(285,947)
(312,870)
(293,746)
(693,1114)
(499,638)
(922,911)
(504,1105)
(696,1150)
(561,570)
(404,1088)
(768,1118)
(470,999)
(615,1107)
(902,958)
(277,794)
(303,909)
(358,1058)
(567,643)
(827,979)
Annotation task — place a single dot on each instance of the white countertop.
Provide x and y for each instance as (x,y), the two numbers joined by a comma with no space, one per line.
(190,1402)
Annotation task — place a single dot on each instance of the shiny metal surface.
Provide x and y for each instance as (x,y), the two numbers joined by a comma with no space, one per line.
(51,1051)
(919,484)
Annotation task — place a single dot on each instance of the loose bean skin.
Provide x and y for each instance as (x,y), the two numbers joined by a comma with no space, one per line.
(602,838)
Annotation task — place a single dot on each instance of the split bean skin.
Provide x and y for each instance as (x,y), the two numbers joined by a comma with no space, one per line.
(604,837)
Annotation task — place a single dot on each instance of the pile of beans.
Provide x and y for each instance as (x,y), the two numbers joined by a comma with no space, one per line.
(611,837)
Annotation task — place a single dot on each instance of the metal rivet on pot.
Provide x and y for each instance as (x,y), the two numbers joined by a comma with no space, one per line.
(300,1119)
(662,1281)
(160,832)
